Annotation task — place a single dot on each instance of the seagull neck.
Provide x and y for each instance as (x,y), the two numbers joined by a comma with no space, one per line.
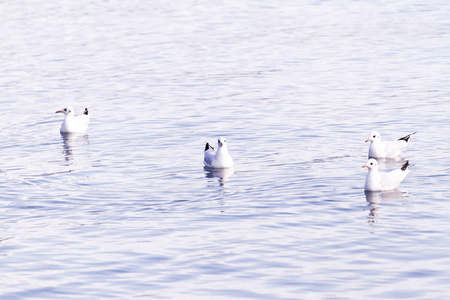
(373,173)
(222,151)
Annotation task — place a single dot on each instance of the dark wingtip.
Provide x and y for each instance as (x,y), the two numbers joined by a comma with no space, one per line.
(86,111)
(405,166)
(208,146)
(406,138)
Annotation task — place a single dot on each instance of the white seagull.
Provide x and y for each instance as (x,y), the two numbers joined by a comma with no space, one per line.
(218,159)
(72,123)
(379,149)
(377,181)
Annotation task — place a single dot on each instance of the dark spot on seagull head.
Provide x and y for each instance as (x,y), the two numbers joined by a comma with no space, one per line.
(222,141)
(371,163)
(66,110)
(374,136)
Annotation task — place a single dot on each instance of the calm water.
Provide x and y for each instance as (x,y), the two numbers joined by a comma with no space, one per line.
(128,212)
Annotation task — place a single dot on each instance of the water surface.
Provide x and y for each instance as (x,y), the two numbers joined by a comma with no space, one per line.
(128,211)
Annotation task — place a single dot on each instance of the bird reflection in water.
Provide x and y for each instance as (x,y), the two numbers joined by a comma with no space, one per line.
(222,174)
(375,199)
(391,162)
(69,143)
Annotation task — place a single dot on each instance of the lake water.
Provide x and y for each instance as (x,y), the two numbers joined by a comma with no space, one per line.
(128,211)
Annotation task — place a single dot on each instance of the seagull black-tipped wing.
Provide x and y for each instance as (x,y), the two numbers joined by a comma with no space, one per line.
(405,166)
(406,138)
(208,146)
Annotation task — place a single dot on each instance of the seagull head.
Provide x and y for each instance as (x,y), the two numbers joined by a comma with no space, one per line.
(66,110)
(374,137)
(371,164)
(222,141)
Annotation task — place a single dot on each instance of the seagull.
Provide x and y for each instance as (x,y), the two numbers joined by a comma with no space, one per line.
(72,123)
(380,149)
(218,159)
(377,181)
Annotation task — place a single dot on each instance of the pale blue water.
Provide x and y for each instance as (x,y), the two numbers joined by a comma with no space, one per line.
(128,212)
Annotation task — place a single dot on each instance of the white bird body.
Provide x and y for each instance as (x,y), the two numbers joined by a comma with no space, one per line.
(379,149)
(72,123)
(219,159)
(377,181)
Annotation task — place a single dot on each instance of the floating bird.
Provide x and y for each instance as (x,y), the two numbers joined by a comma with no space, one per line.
(379,149)
(377,181)
(72,123)
(218,159)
